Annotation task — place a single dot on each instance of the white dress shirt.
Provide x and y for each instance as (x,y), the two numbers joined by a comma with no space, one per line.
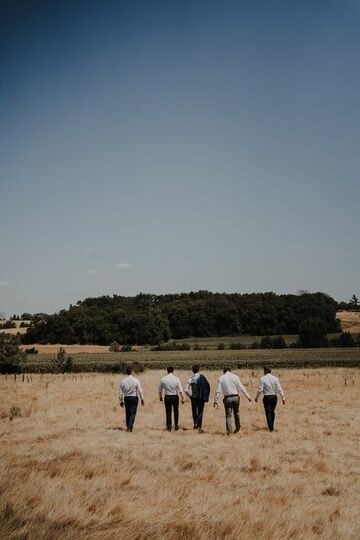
(230,385)
(171,386)
(193,383)
(270,386)
(130,387)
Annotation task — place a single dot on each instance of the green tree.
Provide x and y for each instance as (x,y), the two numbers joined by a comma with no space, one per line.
(312,333)
(11,357)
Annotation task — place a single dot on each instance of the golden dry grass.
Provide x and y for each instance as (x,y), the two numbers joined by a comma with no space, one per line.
(69,470)
(349,321)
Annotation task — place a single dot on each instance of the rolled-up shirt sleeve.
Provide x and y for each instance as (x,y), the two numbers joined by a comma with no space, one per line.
(140,391)
(241,388)
(181,391)
(280,390)
(260,389)
(121,393)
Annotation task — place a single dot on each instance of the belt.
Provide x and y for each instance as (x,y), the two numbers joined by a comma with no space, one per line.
(232,395)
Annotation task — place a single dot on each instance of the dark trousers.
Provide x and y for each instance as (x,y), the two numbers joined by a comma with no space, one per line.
(197,407)
(171,403)
(269,406)
(232,406)
(131,404)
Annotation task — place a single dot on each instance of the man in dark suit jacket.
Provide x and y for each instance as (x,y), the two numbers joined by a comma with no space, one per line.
(200,392)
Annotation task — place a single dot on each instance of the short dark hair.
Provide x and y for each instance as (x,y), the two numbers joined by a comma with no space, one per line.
(170,369)
(267,369)
(195,368)
(128,370)
(226,369)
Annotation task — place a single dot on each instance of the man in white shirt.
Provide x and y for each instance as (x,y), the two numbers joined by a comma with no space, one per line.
(171,387)
(129,392)
(269,386)
(231,387)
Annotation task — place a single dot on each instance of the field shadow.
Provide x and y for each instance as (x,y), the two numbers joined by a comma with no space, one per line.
(115,428)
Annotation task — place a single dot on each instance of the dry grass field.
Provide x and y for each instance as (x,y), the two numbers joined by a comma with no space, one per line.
(70,471)
(349,321)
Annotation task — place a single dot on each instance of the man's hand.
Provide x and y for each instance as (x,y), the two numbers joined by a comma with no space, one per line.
(160,398)
(256,399)
(216,405)
(283,401)
(249,398)
(142,402)
(122,404)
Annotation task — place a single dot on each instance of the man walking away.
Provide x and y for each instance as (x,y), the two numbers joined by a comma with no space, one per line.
(200,392)
(171,386)
(269,386)
(129,392)
(231,387)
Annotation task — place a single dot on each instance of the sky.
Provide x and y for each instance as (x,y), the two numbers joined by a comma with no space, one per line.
(170,146)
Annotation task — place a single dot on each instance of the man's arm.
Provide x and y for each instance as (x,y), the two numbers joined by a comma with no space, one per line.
(241,388)
(121,394)
(260,390)
(280,390)
(181,391)
(217,392)
(140,392)
(187,388)
(161,386)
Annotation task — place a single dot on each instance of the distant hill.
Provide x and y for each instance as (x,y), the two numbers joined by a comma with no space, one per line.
(349,321)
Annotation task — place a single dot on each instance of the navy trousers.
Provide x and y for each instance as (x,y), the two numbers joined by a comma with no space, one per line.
(131,404)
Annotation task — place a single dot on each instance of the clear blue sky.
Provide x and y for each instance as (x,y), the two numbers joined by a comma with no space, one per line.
(175,146)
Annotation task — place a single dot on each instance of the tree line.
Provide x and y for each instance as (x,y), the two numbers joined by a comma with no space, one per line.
(153,319)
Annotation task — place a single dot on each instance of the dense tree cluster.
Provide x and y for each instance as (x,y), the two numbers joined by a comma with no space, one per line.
(152,319)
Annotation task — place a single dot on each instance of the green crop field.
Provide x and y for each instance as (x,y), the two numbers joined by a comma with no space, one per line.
(209,359)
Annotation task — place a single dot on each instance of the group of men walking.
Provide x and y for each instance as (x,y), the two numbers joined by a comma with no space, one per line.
(198,390)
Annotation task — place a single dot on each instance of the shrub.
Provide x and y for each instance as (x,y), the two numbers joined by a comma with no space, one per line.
(266,343)
(31,350)
(255,345)
(11,357)
(24,324)
(63,362)
(278,342)
(237,346)
(221,347)
(114,347)
(172,346)
(8,324)
(126,348)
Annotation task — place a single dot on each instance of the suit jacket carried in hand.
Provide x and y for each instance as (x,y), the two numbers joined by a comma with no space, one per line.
(203,388)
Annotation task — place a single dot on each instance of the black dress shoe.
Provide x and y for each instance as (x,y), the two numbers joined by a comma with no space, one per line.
(176,428)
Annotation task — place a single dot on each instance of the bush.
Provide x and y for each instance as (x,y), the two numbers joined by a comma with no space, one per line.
(255,345)
(24,325)
(63,362)
(114,347)
(11,357)
(172,346)
(126,348)
(31,350)
(221,347)
(7,325)
(266,343)
(278,342)
(237,346)
(344,340)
